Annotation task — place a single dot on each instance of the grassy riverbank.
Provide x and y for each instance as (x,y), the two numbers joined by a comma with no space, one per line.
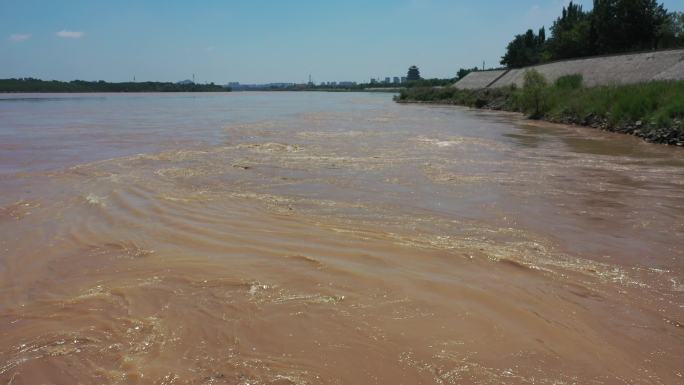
(653,111)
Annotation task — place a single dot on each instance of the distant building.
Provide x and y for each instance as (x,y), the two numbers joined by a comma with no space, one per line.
(276,85)
(413,73)
(236,86)
(396,80)
(185,82)
(346,84)
(387,80)
(373,81)
(403,79)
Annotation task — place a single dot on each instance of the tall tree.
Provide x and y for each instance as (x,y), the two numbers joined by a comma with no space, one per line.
(526,49)
(671,32)
(570,33)
(623,25)
(612,26)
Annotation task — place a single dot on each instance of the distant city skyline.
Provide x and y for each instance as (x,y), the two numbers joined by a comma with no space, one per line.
(261,41)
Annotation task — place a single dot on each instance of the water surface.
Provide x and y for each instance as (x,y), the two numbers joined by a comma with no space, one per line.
(331,238)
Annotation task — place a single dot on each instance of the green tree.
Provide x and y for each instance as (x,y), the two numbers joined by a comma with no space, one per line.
(465,71)
(612,26)
(671,31)
(624,25)
(570,33)
(526,49)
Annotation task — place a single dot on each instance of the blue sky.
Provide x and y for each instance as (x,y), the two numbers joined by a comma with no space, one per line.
(260,40)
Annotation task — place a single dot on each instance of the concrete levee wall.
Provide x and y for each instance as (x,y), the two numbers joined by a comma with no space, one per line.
(479,79)
(604,70)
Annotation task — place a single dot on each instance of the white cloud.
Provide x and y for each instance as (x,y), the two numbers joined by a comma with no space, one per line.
(17,37)
(70,34)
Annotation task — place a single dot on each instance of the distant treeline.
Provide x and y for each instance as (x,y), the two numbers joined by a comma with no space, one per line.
(37,85)
(612,26)
(434,82)
(377,86)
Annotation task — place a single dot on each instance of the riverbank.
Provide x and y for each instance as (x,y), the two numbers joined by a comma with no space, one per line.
(653,111)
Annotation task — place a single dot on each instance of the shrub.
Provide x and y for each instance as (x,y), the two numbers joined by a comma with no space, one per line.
(569,82)
(534,89)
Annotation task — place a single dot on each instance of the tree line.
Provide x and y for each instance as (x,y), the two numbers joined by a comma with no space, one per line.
(612,26)
(37,85)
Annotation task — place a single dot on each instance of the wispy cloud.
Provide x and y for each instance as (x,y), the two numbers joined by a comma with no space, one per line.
(70,34)
(18,37)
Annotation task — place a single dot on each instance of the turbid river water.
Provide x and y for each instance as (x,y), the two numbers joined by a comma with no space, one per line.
(331,238)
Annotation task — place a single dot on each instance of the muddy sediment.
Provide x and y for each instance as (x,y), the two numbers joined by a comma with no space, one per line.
(352,241)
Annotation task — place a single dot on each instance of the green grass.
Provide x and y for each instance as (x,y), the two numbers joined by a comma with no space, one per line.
(658,103)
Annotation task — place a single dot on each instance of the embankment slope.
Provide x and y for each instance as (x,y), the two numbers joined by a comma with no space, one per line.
(595,71)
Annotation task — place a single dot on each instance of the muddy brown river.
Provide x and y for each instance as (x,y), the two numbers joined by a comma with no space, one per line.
(331,238)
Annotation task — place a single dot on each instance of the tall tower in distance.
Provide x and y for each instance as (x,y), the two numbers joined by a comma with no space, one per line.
(413,73)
